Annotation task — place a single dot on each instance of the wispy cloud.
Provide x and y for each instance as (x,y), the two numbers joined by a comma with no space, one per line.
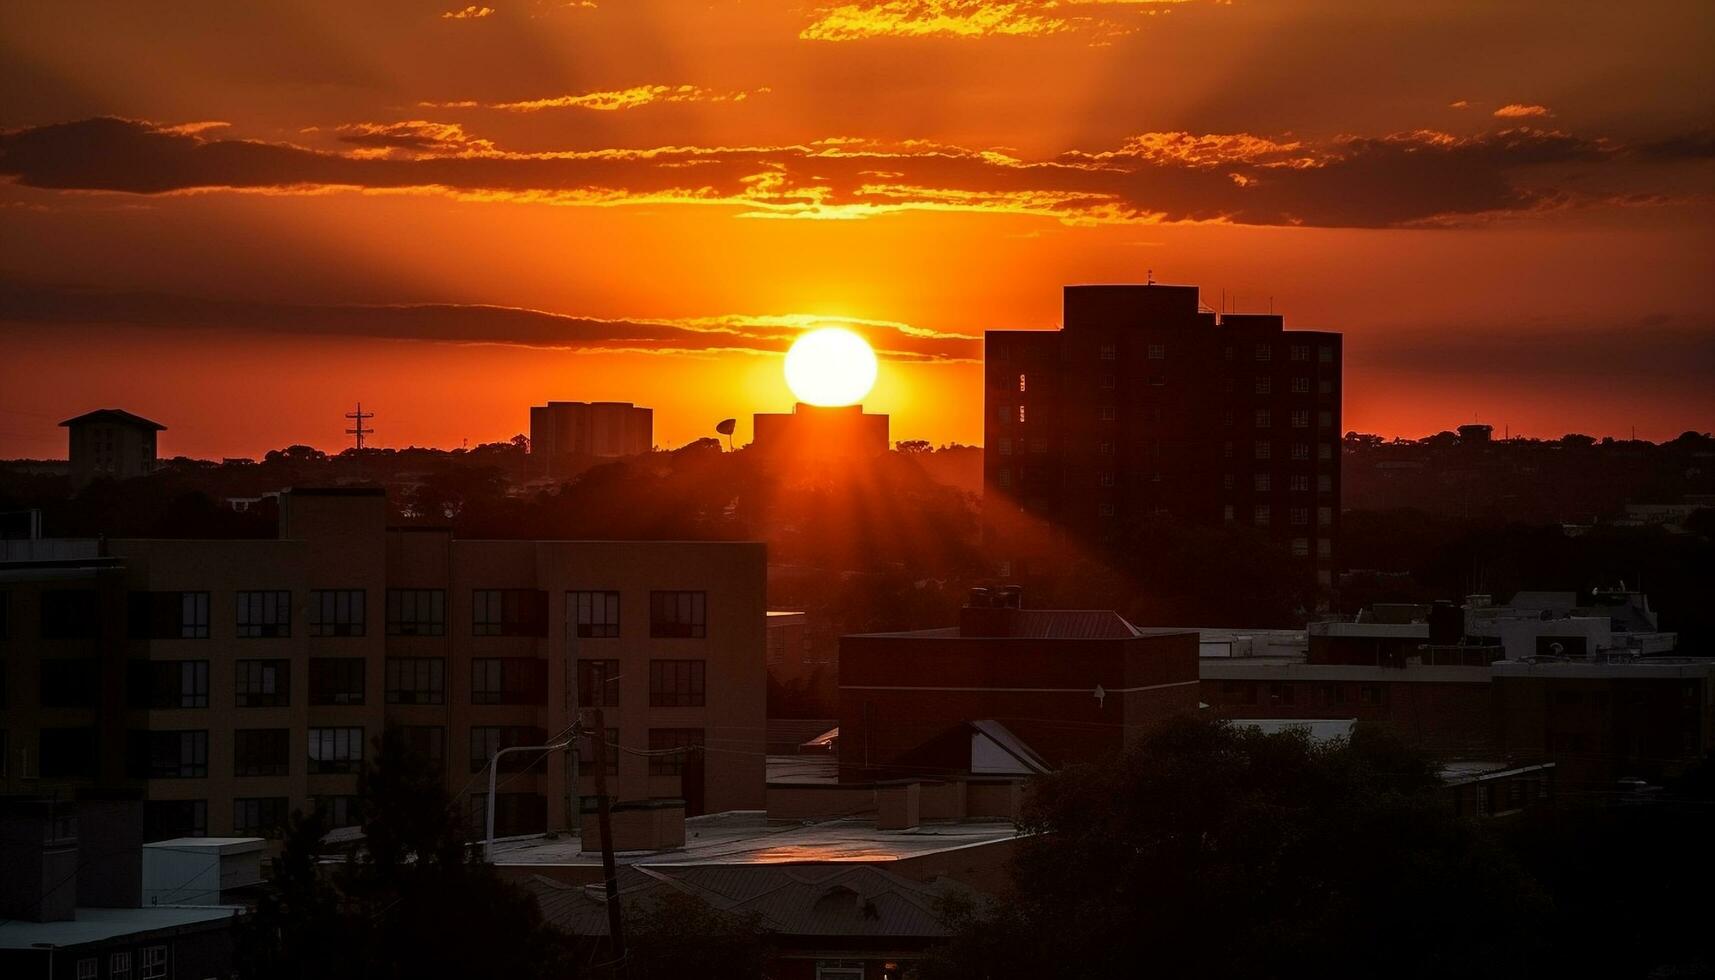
(1419,177)
(472,12)
(609,100)
(63,306)
(977,18)
(1519,110)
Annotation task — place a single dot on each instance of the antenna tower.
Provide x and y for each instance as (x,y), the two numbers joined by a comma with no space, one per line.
(359,430)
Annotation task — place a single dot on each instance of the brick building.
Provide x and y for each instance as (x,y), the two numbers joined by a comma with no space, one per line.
(1145,402)
(1007,683)
(233,681)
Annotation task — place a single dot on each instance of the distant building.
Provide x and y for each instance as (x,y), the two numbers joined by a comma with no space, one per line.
(1476,434)
(563,431)
(1147,403)
(1009,691)
(233,681)
(818,432)
(110,443)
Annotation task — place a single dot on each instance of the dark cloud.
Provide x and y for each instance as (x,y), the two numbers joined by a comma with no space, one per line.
(1401,179)
(1670,351)
(67,306)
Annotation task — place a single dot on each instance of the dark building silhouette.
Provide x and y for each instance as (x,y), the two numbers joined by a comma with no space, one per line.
(110,443)
(815,431)
(561,432)
(1148,403)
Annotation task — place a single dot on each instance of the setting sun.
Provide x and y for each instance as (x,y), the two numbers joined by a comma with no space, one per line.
(830,366)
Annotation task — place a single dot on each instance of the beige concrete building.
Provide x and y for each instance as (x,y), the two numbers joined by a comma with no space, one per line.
(233,681)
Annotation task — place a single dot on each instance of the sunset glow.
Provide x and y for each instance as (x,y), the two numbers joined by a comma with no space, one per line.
(830,366)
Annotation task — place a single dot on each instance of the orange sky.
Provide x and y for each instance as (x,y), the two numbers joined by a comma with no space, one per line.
(239,219)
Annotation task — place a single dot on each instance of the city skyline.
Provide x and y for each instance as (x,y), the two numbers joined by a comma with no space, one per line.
(453,213)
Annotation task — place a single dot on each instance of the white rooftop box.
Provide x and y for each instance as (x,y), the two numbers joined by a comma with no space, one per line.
(196,870)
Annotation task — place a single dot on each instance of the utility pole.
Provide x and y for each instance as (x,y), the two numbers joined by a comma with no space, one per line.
(358,416)
(494,771)
(604,820)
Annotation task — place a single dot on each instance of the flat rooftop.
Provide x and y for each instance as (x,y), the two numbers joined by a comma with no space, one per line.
(746,837)
(97,925)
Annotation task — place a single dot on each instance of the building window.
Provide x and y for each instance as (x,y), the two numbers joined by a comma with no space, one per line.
(586,753)
(69,682)
(508,680)
(169,755)
(486,740)
(1104,510)
(594,614)
(263,683)
(259,816)
(1301,516)
(336,680)
(1324,548)
(1301,450)
(1106,478)
(1005,445)
(338,811)
(1157,352)
(1264,352)
(1300,482)
(598,683)
(1369,694)
(1259,515)
(1107,382)
(1260,482)
(1021,415)
(1324,483)
(1301,386)
(1107,413)
(66,753)
(1325,419)
(1238,692)
(1301,547)
(154,963)
(1104,448)
(168,684)
(1039,447)
(1324,387)
(675,683)
(665,759)
(1263,449)
(416,612)
(1324,516)
(678,614)
(427,742)
(1325,354)
(1301,418)
(1022,385)
(416,680)
(1227,513)
(1226,481)
(264,614)
(169,615)
(1107,352)
(1300,352)
(1003,414)
(509,612)
(261,752)
(336,750)
(1264,418)
(1324,450)
(166,819)
(1264,384)
(119,966)
(70,614)
(1281,694)
(88,968)
(1004,478)
(336,612)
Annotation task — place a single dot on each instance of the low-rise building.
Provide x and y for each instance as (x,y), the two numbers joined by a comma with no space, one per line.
(821,432)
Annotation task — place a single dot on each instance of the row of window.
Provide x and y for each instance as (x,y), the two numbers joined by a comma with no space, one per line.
(75,613)
(167,684)
(266,752)
(1263,449)
(151,965)
(1295,482)
(266,816)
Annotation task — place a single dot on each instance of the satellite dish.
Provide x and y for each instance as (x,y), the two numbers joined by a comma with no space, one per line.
(725,428)
(1101,696)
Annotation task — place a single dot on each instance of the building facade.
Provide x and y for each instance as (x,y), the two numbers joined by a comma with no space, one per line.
(564,431)
(1147,403)
(820,432)
(110,443)
(234,681)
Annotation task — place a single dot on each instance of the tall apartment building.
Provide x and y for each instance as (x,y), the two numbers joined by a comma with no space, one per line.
(1146,402)
(233,681)
(112,443)
(563,431)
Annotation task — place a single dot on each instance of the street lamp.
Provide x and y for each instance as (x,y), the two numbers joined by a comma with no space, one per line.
(494,770)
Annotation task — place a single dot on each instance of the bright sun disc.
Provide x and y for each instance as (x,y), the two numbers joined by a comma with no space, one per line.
(830,366)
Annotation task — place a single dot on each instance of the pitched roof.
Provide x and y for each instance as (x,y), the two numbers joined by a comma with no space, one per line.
(115,416)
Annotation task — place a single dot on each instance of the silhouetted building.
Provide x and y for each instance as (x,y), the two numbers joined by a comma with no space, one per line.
(233,681)
(563,431)
(1148,403)
(110,443)
(1007,692)
(819,432)
(1476,434)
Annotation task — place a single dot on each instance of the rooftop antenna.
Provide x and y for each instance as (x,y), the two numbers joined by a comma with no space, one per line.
(359,431)
(1271,305)
(1149,277)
